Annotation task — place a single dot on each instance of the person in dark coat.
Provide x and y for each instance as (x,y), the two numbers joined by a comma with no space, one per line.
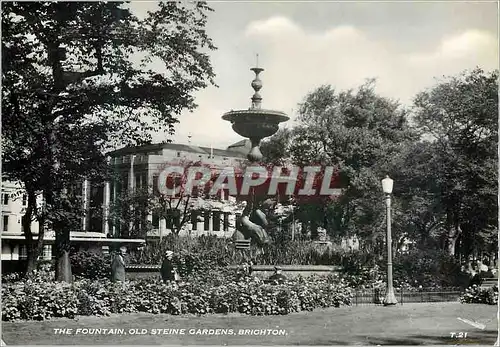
(168,270)
(118,266)
(278,276)
(475,275)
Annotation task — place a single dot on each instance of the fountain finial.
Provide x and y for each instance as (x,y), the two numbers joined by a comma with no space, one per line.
(256,85)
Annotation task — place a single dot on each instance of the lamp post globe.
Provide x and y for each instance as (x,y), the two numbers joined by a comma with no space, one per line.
(387,184)
(390,297)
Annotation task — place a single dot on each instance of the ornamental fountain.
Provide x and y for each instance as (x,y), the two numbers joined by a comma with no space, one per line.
(255,124)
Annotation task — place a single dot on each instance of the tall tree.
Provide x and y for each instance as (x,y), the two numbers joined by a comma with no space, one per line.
(361,133)
(72,90)
(460,116)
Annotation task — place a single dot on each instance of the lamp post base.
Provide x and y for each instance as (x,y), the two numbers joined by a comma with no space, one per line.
(390,298)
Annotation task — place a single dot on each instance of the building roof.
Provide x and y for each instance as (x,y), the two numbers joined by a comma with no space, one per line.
(100,240)
(158,147)
(241,147)
(242,143)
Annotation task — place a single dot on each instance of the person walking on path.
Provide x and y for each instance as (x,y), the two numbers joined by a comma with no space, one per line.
(118,266)
(168,270)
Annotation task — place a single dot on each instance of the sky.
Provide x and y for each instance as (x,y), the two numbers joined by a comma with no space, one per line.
(303,45)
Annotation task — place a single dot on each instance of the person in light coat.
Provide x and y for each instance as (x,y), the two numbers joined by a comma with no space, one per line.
(118,266)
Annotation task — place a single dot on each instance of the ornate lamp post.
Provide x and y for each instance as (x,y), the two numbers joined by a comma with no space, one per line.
(390,298)
(255,124)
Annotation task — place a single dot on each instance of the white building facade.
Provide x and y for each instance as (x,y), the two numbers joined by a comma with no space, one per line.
(139,167)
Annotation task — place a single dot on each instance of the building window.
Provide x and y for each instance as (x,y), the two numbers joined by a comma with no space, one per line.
(138,181)
(173,218)
(178,154)
(156,191)
(238,222)
(125,183)
(226,222)
(47,252)
(5,223)
(23,252)
(194,219)
(118,190)
(22,223)
(25,199)
(206,220)
(194,193)
(156,221)
(5,199)
(216,221)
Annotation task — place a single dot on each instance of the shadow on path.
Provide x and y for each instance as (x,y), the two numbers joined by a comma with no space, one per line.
(483,337)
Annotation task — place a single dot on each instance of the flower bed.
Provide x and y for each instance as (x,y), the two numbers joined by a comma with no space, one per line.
(221,252)
(478,295)
(216,292)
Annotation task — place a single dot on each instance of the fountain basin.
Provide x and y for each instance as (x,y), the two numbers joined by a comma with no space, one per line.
(255,123)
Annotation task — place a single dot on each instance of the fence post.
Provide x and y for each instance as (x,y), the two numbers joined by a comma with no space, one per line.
(356,297)
(401,295)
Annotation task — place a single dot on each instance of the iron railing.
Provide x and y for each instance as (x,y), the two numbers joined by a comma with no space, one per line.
(405,296)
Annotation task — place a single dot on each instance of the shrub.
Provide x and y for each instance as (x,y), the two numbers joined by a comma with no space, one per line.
(90,265)
(478,295)
(38,301)
(222,294)
(44,271)
(426,268)
(93,298)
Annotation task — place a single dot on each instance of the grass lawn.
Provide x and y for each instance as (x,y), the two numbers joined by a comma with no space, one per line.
(409,324)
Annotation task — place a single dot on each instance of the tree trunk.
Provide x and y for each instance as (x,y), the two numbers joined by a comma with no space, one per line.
(63,265)
(33,249)
(63,246)
(454,232)
(451,245)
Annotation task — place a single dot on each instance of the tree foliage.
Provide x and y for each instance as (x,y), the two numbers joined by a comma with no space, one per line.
(444,164)
(361,133)
(77,81)
(460,117)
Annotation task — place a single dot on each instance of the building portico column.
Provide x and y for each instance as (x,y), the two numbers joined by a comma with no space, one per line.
(86,204)
(114,222)
(131,184)
(105,208)
(163,227)
(149,185)
(131,176)
(211,222)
